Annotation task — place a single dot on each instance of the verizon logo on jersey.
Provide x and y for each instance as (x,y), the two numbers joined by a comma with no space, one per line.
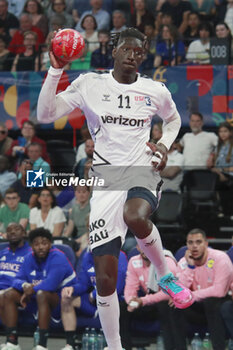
(108,119)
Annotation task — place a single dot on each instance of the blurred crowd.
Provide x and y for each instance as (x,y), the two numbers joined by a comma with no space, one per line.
(178,31)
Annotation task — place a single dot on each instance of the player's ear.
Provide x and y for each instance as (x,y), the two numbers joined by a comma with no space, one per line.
(114,52)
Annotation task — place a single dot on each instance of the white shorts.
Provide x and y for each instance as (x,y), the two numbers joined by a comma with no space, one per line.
(106,216)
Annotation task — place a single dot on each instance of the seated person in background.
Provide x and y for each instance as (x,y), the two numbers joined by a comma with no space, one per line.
(7,178)
(13,211)
(16,45)
(28,195)
(84,62)
(118,21)
(10,21)
(227,314)
(19,147)
(192,31)
(89,32)
(149,31)
(141,15)
(198,144)
(156,132)
(172,175)
(222,31)
(47,214)
(37,286)
(11,259)
(65,196)
(199,50)
(34,152)
(85,135)
(221,163)
(102,57)
(5,140)
(25,61)
(36,11)
(89,149)
(208,273)
(150,303)
(170,50)
(79,212)
(79,298)
(59,7)
(205,9)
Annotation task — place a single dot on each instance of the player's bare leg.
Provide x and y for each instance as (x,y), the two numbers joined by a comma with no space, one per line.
(137,212)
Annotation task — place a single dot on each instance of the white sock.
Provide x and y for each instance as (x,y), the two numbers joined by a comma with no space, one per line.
(152,247)
(109,314)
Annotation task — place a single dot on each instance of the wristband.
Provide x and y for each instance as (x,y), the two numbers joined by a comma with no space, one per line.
(191,266)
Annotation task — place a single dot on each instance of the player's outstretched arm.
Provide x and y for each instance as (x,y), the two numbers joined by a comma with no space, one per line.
(51,107)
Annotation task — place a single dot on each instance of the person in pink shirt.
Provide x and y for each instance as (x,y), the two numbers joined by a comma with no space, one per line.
(227,314)
(145,301)
(208,273)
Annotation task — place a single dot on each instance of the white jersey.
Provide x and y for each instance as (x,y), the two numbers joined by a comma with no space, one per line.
(118,115)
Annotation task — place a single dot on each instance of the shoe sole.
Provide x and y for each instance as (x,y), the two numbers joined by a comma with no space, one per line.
(184,305)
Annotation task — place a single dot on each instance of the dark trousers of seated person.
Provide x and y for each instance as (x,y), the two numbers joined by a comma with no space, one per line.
(227,314)
(150,313)
(208,312)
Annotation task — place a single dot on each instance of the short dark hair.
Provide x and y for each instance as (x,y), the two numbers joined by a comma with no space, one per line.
(53,204)
(197,113)
(40,232)
(30,123)
(128,33)
(11,190)
(89,15)
(207,26)
(197,230)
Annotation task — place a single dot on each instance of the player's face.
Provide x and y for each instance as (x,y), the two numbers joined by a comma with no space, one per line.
(197,245)
(129,54)
(15,233)
(41,247)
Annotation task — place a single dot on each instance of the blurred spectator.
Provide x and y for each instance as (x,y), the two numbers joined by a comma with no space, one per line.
(26,60)
(34,152)
(16,7)
(156,132)
(65,196)
(36,12)
(192,31)
(37,287)
(11,259)
(152,304)
(222,31)
(2,203)
(16,45)
(7,178)
(10,21)
(199,50)
(118,21)
(208,273)
(3,33)
(47,214)
(172,175)
(6,57)
(102,17)
(102,57)
(89,149)
(79,213)
(5,140)
(221,162)
(59,8)
(149,31)
(49,6)
(81,298)
(198,144)
(81,153)
(228,19)
(90,33)
(170,50)
(227,315)
(19,147)
(179,10)
(13,211)
(28,195)
(163,19)
(141,15)
(205,8)
(57,21)
(84,62)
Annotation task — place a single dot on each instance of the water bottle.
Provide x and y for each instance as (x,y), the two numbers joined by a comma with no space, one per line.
(85,339)
(196,343)
(100,340)
(92,344)
(206,344)
(36,337)
(159,343)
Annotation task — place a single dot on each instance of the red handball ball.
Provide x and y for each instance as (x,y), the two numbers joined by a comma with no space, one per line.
(68,45)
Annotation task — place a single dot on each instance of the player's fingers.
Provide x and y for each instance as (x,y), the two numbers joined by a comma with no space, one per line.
(152,146)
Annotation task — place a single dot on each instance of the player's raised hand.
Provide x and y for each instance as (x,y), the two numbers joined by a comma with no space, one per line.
(159,159)
(55,62)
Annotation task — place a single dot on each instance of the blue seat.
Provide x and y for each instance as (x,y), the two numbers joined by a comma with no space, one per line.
(68,252)
(180,252)
(230,253)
